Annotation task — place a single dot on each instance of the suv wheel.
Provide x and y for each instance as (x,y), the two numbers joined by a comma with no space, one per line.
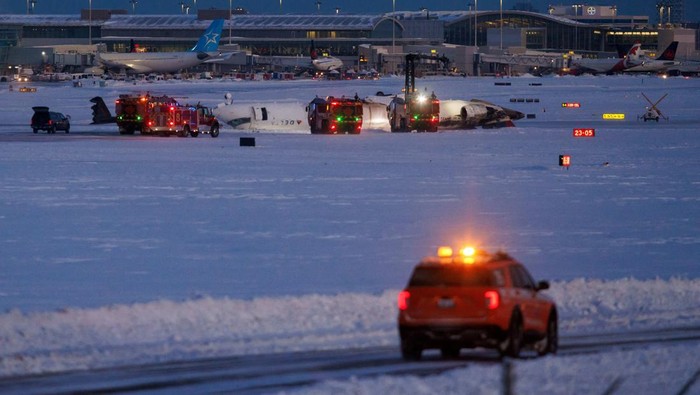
(513,342)
(550,343)
(409,351)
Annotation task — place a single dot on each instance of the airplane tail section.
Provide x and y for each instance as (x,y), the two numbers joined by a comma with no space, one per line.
(670,52)
(100,112)
(314,54)
(632,58)
(209,41)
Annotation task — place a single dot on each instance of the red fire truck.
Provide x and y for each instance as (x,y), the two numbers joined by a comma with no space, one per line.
(166,119)
(132,111)
(334,115)
(163,115)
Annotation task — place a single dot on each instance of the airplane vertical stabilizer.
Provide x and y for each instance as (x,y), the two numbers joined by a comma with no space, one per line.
(209,41)
(670,52)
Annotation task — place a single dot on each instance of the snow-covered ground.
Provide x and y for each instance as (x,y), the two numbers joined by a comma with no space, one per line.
(123,249)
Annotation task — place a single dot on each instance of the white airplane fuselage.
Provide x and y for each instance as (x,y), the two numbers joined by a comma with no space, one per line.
(327,63)
(652,66)
(288,116)
(604,65)
(153,62)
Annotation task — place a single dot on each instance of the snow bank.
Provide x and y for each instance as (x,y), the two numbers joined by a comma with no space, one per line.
(166,330)
(656,370)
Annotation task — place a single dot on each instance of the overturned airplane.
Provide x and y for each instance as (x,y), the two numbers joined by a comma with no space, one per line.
(291,116)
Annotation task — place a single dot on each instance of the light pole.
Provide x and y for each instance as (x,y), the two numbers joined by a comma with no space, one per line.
(280,7)
(501,12)
(90,22)
(133,6)
(230,19)
(393,26)
(614,12)
(476,30)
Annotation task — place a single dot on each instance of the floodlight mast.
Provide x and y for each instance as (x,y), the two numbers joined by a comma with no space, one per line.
(475,21)
(393,26)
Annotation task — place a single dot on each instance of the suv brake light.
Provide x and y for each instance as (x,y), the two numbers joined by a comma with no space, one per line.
(404,296)
(492,299)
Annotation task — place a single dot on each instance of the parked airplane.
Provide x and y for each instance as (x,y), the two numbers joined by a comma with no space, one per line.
(291,116)
(168,62)
(662,63)
(686,68)
(324,63)
(607,65)
(313,62)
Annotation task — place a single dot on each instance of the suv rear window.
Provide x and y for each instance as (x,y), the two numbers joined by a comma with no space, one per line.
(455,276)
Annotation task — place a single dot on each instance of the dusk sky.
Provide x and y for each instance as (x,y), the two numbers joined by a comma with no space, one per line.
(625,7)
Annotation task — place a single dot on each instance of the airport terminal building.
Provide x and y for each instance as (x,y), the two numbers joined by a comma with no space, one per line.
(68,42)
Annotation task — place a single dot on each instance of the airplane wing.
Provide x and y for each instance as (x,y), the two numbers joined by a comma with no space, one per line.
(221,57)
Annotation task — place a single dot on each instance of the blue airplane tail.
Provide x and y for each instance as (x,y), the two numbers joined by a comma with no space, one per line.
(209,41)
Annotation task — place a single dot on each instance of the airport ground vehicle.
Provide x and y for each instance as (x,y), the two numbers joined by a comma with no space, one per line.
(132,111)
(334,115)
(163,115)
(415,111)
(166,119)
(475,299)
(50,121)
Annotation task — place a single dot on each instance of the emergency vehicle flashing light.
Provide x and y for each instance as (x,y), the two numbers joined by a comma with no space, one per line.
(444,252)
(447,251)
(466,255)
(467,251)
